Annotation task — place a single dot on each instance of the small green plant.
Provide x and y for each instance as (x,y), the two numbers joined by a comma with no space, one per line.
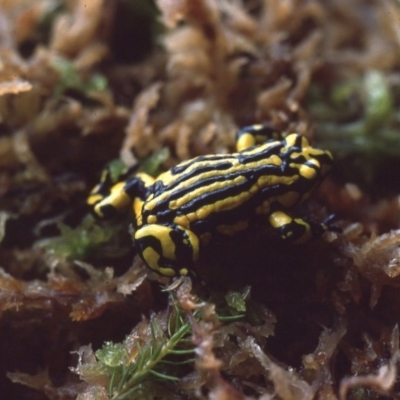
(158,353)
(82,241)
(155,352)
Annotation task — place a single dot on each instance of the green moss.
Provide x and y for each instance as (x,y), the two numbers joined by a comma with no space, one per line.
(152,165)
(112,354)
(71,79)
(238,300)
(140,360)
(82,241)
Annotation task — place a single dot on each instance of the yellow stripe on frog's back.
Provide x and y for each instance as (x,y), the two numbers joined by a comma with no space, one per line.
(168,178)
(203,190)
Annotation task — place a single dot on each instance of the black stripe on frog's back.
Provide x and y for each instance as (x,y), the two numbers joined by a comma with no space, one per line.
(211,184)
(261,152)
(176,186)
(198,168)
(224,187)
(219,192)
(203,174)
(211,180)
(222,165)
(244,212)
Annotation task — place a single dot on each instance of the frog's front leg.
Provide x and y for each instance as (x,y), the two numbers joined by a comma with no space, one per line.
(107,199)
(170,250)
(296,230)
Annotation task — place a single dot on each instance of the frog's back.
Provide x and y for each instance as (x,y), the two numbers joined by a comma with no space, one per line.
(206,190)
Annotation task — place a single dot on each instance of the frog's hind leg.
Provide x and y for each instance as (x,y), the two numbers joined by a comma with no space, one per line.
(296,230)
(169,250)
(253,135)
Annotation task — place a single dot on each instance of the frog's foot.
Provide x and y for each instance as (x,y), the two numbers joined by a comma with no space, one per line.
(296,230)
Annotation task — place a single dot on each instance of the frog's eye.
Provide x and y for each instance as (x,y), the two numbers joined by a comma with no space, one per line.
(309,170)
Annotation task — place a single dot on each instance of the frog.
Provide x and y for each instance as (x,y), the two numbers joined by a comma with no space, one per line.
(177,212)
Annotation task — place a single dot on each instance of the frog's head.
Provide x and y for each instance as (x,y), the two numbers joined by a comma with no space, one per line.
(311,164)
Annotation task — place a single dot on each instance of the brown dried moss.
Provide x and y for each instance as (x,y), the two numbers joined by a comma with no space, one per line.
(321,321)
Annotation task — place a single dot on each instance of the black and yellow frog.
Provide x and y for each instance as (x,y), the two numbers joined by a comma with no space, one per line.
(176,212)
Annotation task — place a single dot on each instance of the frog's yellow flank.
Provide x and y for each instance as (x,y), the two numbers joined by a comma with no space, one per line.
(220,193)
